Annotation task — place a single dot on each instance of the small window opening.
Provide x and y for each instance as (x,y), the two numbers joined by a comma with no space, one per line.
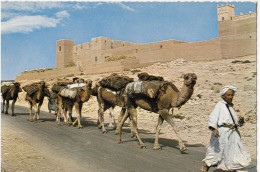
(96,59)
(223,18)
(59,47)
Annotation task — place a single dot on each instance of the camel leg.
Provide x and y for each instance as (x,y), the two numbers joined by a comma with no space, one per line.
(3,105)
(165,114)
(59,110)
(65,110)
(70,115)
(133,117)
(101,117)
(112,121)
(13,107)
(77,107)
(158,128)
(7,107)
(119,121)
(35,109)
(120,125)
(30,111)
(38,111)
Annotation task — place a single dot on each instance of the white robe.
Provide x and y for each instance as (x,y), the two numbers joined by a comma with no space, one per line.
(226,152)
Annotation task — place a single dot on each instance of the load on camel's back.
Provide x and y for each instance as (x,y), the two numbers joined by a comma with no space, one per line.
(115,82)
(109,93)
(147,85)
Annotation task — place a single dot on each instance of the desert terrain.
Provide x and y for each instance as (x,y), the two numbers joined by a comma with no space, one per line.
(191,120)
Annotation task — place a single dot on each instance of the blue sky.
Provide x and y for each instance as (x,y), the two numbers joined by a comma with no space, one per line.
(29,30)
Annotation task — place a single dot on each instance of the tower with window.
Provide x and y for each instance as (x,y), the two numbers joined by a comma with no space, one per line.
(225,12)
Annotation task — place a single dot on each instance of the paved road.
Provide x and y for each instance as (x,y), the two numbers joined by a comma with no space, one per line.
(88,149)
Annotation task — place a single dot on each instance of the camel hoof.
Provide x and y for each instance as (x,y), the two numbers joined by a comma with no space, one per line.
(143,147)
(80,127)
(157,147)
(6,113)
(31,120)
(99,126)
(120,142)
(183,149)
(105,131)
(13,114)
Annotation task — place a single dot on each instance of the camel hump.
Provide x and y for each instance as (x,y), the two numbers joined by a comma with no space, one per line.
(147,77)
(115,82)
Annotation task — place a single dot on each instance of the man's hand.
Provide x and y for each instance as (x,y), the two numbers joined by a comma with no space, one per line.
(241,121)
(215,132)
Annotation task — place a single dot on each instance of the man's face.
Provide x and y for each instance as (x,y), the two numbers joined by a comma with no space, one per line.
(228,96)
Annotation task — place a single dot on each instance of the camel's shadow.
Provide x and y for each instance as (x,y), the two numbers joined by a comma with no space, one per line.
(164,142)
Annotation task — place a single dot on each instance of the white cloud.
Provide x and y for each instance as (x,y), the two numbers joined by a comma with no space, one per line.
(125,6)
(80,6)
(26,24)
(62,14)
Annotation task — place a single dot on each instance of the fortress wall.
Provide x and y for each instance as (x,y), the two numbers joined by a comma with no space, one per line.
(113,66)
(104,67)
(237,47)
(46,74)
(205,50)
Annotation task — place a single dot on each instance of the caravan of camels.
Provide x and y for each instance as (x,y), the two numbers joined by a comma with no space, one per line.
(151,93)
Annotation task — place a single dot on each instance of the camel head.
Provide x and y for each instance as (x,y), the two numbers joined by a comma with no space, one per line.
(85,92)
(17,86)
(89,83)
(189,79)
(41,85)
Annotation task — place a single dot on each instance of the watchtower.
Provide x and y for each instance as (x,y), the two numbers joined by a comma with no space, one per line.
(64,53)
(225,12)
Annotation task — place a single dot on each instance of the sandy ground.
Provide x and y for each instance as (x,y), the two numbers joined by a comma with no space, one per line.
(212,75)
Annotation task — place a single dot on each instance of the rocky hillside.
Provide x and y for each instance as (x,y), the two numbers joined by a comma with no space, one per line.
(191,119)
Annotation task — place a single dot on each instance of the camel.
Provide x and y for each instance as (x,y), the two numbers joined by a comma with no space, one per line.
(10,94)
(169,97)
(108,99)
(36,99)
(66,104)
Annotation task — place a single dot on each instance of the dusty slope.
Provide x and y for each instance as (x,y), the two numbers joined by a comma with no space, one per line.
(212,75)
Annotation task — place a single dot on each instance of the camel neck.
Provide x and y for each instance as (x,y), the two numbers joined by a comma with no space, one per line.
(184,95)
